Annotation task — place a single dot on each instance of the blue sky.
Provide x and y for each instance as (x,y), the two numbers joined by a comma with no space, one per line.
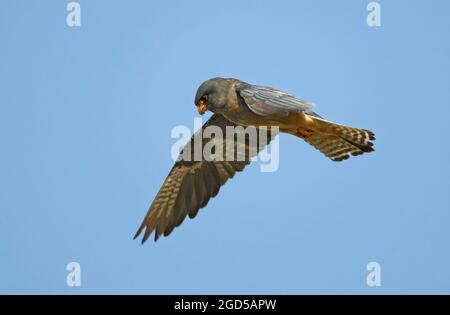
(85,121)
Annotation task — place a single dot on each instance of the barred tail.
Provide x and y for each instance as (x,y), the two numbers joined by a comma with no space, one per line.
(342,141)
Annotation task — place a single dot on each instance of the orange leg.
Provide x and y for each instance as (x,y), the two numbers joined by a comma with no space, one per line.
(304,133)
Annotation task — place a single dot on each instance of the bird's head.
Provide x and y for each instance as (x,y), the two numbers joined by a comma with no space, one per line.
(212,95)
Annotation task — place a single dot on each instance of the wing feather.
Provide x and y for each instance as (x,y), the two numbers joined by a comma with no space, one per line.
(266,101)
(191,184)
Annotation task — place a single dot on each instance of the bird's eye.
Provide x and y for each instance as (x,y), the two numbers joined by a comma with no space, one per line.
(204,98)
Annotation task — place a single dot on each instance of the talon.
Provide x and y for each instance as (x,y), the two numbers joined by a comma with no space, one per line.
(304,133)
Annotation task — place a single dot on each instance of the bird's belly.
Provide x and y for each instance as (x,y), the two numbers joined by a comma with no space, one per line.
(288,124)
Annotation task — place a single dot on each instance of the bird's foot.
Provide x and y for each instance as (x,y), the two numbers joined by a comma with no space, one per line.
(304,133)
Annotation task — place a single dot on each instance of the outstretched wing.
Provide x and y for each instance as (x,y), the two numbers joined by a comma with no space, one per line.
(266,101)
(195,178)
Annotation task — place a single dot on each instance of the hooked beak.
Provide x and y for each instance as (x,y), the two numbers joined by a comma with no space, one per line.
(202,107)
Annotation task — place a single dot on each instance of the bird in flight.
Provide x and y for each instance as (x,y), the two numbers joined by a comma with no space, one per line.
(191,183)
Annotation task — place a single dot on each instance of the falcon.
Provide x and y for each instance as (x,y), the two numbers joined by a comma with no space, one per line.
(191,183)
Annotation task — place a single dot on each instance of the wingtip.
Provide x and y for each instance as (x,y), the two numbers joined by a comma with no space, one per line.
(137,234)
(144,239)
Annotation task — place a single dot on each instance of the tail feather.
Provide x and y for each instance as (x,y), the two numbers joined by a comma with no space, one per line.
(339,142)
